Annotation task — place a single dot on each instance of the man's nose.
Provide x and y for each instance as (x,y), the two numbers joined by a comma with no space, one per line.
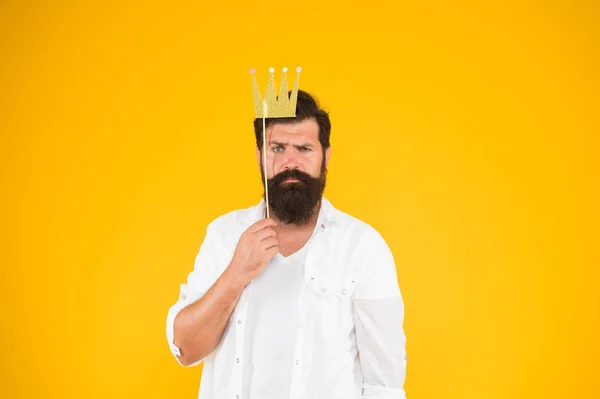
(291,162)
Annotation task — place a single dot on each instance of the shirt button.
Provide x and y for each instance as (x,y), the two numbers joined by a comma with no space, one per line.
(184,297)
(237,396)
(344,291)
(237,360)
(323,289)
(239,322)
(176,350)
(297,362)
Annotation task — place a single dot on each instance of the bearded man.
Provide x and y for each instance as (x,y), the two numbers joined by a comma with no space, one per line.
(302,305)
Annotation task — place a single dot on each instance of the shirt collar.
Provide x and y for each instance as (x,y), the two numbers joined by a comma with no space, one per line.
(328,215)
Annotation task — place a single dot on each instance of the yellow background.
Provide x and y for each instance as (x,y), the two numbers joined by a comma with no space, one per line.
(465,132)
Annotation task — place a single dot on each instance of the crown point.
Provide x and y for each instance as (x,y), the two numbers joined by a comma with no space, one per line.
(284,69)
(298,69)
(252,70)
(271,70)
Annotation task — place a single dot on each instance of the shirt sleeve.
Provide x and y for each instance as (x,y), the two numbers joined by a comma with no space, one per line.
(199,281)
(379,317)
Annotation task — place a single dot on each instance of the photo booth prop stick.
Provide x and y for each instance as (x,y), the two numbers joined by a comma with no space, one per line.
(273,106)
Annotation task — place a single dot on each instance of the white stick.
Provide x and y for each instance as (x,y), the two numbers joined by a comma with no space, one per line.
(265,157)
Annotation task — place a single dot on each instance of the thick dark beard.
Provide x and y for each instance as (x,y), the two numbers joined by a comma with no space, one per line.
(295,202)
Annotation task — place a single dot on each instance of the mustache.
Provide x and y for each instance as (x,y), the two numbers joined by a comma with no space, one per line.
(293,174)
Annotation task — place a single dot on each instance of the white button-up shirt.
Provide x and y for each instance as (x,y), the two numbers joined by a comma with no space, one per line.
(350,340)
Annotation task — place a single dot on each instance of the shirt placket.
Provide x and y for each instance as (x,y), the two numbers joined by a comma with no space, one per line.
(297,384)
(296,380)
(238,361)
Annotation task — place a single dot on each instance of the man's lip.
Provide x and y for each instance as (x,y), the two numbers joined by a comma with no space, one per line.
(290,179)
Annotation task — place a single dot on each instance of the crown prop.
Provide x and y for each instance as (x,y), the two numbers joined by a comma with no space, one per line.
(273,106)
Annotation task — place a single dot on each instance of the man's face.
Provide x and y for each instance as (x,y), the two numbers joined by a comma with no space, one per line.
(296,168)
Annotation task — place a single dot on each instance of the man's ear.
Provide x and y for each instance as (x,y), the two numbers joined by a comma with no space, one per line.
(327,155)
(258,158)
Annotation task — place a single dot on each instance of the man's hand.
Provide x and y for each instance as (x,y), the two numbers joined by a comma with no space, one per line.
(256,247)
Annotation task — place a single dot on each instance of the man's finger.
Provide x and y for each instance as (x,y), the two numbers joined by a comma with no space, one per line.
(261,224)
(269,242)
(265,233)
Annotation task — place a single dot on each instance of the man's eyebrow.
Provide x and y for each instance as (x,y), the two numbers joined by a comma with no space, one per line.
(278,143)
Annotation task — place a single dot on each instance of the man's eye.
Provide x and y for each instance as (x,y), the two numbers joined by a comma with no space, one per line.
(277,149)
(305,149)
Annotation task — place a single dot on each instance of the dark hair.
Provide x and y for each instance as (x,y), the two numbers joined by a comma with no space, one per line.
(307,107)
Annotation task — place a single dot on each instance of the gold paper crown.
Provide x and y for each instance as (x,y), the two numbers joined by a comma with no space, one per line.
(273,106)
